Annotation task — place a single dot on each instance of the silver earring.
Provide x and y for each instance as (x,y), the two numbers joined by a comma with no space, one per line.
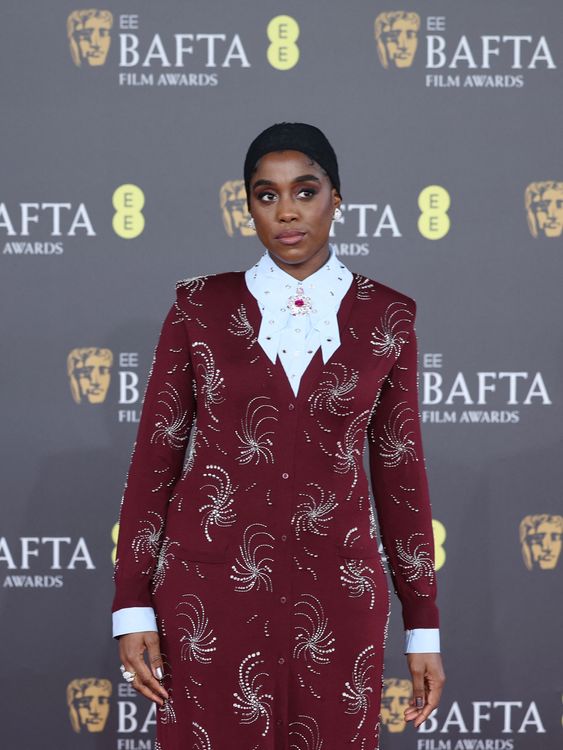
(337,214)
(250,223)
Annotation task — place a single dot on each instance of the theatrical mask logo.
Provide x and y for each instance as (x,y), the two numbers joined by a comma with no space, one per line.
(89,37)
(540,537)
(89,372)
(88,703)
(396,37)
(232,198)
(544,208)
(394,701)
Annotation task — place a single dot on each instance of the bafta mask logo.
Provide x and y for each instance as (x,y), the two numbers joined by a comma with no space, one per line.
(234,210)
(394,702)
(396,37)
(544,208)
(88,703)
(89,37)
(89,372)
(540,537)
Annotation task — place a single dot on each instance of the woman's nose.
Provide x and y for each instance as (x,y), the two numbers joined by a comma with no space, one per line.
(286,210)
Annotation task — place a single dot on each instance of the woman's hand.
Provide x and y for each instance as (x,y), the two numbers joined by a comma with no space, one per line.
(428,680)
(132,647)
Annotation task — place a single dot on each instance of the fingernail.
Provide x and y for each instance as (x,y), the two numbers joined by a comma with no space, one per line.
(158,671)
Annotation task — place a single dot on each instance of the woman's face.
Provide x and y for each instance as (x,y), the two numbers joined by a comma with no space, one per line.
(291,196)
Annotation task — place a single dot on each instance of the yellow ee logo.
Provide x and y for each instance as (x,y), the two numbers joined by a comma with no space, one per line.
(439,538)
(434,222)
(128,221)
(114,538)
(283,32)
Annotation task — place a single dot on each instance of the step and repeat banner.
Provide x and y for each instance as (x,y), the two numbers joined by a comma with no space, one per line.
(124,128)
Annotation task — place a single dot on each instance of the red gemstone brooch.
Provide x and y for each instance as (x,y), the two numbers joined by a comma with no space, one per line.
(299,304)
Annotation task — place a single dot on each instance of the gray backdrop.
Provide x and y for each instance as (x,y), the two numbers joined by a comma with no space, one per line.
(446,119)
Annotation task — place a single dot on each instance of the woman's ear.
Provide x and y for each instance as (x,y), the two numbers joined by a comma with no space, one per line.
(337,200)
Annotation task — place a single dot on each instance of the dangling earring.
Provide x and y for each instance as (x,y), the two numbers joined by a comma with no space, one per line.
(250,223)
(337,214)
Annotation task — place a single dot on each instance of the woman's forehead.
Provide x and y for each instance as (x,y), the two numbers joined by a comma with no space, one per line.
(287,161)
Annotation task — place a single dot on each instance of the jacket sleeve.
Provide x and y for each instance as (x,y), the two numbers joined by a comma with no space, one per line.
(400,485)
(167,415)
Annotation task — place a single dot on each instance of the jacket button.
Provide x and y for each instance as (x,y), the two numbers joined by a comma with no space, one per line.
(285,475)
(283,537)
(291,406)
(279,722)
(281,660)
(283,599)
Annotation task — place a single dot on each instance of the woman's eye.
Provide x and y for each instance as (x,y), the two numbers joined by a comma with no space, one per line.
(264,197)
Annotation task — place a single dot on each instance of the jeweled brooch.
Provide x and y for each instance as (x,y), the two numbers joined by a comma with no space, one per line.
(298,303)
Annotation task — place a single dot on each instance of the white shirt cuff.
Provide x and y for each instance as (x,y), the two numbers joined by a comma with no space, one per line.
(133,620)
(422,641)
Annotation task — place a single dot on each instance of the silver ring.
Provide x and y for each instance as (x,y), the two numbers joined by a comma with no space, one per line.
(127,676)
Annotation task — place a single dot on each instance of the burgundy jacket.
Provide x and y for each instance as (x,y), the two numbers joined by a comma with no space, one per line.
(259,455)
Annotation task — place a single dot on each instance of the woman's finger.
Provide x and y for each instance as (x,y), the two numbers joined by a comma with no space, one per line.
(424,713)
(155,660)
(145,683)
(419,693)
(155,657)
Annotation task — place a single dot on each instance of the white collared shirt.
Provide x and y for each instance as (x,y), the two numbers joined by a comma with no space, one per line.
(296,338)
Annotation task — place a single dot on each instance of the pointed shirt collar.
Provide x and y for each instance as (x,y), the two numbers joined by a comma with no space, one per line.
(272,287)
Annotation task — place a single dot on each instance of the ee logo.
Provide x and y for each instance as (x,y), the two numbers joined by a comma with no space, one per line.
(439,538)
(128,220)
(434,222)
(283,52)
(114,537)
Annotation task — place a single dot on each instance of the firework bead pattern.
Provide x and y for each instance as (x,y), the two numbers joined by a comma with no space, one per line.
(248,526)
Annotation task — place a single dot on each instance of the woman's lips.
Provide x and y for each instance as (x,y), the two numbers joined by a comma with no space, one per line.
(291,239)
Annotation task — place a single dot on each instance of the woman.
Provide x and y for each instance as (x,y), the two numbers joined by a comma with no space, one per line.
(251,573)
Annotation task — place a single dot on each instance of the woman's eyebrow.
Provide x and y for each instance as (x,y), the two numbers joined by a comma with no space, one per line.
(301,178)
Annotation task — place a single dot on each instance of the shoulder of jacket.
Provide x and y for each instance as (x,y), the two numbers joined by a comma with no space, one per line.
(206,282)
(383,293)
